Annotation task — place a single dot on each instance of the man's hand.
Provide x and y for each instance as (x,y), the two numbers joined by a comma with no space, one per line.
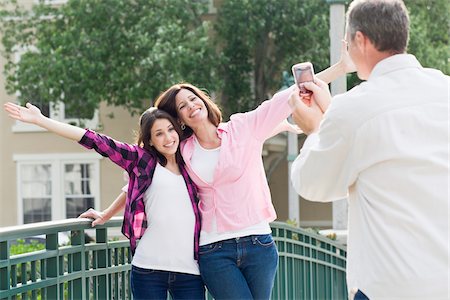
(306,115)
(321,94)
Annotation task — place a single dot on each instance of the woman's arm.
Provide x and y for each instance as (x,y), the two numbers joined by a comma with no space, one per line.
(122,154)
(343,66)
(102,217)
(31,114)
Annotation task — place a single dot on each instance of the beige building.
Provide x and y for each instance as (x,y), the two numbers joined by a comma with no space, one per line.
(45,177)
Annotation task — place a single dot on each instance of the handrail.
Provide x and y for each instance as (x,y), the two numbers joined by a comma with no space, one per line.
(74,271)
(310,266)
(55,226)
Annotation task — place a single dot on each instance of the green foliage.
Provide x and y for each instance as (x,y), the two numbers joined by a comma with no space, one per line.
(127,52)
(21,247)
(260,39)
(429,35)
(122,52)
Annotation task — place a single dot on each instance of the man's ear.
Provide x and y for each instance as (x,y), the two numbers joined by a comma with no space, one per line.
(360,41)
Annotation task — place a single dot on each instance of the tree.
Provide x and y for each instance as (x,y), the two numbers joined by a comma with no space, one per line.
(260,39)
(121,52)
(428,39)
(429,32)
(124,52)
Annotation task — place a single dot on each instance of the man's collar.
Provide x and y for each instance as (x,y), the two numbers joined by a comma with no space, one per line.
(393,63)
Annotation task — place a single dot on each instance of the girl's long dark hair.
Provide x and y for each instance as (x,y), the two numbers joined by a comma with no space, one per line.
(146,122)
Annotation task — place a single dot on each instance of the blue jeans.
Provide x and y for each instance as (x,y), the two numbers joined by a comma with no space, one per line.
(240,268)
(360,296)
(154,284)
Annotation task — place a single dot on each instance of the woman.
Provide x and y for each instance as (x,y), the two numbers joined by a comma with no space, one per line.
(238,258)
(160,194)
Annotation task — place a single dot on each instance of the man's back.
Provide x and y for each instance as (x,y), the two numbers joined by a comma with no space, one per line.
(385,145)
(397,128)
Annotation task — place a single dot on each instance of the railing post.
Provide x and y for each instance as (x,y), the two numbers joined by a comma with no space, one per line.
(102,290)
(51,244)
(79,284)
(4,271)
(125,278)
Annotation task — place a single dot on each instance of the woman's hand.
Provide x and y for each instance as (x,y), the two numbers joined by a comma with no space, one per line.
(343,66)
(99,217)
(345,60)
(29,114)
(293,128)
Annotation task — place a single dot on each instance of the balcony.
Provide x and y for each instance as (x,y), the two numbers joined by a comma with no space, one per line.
(310,266)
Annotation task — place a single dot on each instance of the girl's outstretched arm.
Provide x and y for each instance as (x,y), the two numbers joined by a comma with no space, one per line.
(31,114)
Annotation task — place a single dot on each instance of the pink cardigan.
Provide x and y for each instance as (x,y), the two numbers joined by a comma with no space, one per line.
(239,195)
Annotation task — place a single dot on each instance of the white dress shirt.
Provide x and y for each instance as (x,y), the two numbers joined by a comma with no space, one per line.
(385,145)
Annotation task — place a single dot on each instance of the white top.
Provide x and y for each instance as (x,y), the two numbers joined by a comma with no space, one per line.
(204,162)
(213,236)
(168,242)
(385,144)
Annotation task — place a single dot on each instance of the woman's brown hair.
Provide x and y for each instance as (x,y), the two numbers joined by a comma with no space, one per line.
(167,102)
(146,122)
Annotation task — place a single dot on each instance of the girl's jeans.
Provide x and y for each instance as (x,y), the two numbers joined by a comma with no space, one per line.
(360,296)
(240,268)
(154,284)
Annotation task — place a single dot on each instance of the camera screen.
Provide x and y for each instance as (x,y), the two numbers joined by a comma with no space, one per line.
(303,74)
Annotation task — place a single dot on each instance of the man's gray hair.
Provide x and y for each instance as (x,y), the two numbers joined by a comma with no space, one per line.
(384,22)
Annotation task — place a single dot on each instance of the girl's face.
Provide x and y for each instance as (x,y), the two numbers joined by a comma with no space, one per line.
(164,137)
(190,108)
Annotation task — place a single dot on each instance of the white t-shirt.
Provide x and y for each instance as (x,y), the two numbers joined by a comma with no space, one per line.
(168,242)
(204,162)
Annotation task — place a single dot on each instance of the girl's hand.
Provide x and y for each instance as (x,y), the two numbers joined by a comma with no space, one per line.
(29,114)
(99,217)
(345,61)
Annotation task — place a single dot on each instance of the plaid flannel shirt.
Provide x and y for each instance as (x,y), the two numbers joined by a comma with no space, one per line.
(140,166)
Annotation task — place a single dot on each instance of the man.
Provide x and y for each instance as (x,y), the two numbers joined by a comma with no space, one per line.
(385,145)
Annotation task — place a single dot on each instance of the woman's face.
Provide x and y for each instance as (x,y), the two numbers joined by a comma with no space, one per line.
(190,108)
(164,137)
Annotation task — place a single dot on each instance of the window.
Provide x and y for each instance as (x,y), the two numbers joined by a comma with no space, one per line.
(36,188)
(56,186)
(78,188)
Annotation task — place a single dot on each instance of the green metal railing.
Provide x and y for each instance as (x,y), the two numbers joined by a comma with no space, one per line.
(98,270)
(310,266)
